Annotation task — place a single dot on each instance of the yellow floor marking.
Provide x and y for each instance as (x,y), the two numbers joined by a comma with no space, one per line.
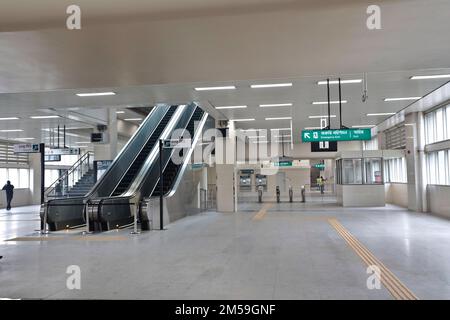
(397,289)
(261,213)
(76,238)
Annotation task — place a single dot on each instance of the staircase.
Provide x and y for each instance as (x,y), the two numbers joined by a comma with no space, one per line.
(84,185)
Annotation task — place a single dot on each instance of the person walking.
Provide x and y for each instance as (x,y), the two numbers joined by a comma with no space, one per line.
(9,188)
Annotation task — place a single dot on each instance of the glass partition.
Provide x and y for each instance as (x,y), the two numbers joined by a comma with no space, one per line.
(359,171)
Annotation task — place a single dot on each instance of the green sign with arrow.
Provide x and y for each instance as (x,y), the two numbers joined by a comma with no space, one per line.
(336,135)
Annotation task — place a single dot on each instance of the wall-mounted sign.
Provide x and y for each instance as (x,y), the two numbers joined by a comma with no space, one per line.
(63,151)
(26,148)
(336,135)
(324,146)
(247,171)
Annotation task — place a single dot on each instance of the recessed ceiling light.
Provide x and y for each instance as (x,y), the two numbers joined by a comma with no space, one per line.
(402,99)
(437,76)
(11,130)
(342,81)
(380,114)
(96,94)
(331,102)
(133,119)
(243,120)
(321,117)
(364,126)
(9,118)
(44,117)
(271,85)
(215,88)
(231,107)
(280,118)
(120,112)
(276,105)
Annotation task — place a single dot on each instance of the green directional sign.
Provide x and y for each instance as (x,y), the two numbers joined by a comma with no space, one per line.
(283,164)
(319,166)
(336,135)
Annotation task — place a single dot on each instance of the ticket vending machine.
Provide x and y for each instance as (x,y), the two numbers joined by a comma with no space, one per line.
(261,180)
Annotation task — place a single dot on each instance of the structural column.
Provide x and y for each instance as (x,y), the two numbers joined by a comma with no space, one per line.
(108,151)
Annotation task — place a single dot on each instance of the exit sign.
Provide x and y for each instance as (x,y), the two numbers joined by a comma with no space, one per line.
(336,135)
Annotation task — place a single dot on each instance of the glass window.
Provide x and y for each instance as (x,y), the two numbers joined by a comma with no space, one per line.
(373,171)
(13,176)
(24,178)
(352,171)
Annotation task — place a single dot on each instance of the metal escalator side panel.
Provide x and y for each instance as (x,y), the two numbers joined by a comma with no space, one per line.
(187,159)
(128,153)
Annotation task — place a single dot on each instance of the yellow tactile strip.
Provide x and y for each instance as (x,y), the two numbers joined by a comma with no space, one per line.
(397,289)
(261,213)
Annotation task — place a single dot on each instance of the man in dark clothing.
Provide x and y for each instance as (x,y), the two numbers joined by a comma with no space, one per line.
(9,188)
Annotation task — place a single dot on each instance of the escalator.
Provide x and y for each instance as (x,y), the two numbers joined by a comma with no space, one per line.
(119,209)
(171,170)
(140,159)
(69,212)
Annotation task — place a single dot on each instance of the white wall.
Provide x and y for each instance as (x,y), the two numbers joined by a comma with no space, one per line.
(361,195)
(397,193)
(439,200)
(22,197)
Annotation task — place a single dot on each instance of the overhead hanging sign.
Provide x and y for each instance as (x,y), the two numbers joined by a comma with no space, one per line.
(336,135)
(320,166)
(63,151)
(283,164)
(26,148)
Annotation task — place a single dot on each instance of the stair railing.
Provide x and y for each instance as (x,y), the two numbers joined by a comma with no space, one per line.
(61,187)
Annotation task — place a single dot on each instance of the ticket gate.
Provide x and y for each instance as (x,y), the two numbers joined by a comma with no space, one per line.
(291,194)
(303,194)
(260,193)
(278,194)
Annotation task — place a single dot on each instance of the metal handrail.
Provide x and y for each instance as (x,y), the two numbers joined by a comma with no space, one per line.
(75,166)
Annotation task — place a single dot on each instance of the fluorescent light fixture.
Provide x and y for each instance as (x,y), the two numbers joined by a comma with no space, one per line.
(364,126)
(256,137)
(215,88)
(326,102)
(401,99)
(280,118)
(243,120)
(231,107)
(133,119)
(436,76)
(271,85)
(9,118)
(11,130)
(260,141)
(313,128)
(280,129)
(82,142)
(276,105)
(322,117)
(380,114)
(283,136)
(25,138)
(342,81)
(120,112)
(44,117)
(247,130)
(96,94)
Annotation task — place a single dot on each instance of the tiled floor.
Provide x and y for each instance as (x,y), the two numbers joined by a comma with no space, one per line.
(289,252)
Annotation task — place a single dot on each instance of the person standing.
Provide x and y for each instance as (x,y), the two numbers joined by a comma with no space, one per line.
(9,188)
